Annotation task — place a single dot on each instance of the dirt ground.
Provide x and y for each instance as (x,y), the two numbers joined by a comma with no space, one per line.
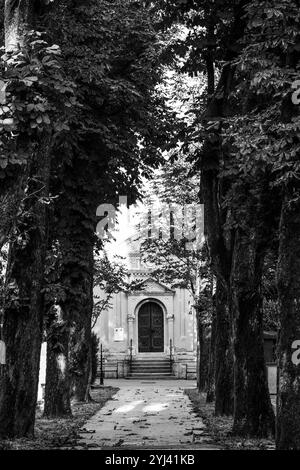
(57,433)
(219,428)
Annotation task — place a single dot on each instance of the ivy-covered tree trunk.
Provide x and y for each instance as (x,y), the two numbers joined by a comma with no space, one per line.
(23,308)
(81,352)
(11,195)
(69,329)
(220,254)
(253,412)
(288,400)
(210,394)
(237,263)
(223,354)
(77,239)
(18,18)
(81,360)
(57,390)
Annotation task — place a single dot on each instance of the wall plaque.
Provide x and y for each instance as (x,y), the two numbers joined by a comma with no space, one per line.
(118,334)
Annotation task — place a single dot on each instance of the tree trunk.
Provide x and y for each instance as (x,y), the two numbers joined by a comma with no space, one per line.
(253,413)
(11,196)
(288,400)
(23,306)
(223,354)
(202,358)
(69,333)
(81,360)
(76,238)
(57,391)
(210,395)
(236,260)
(18,19)
(81,352)
(88,397)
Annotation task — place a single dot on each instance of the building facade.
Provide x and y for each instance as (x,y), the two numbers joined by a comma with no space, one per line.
(154,323)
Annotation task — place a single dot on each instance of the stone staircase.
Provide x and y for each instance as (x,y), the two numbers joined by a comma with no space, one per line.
(156,369)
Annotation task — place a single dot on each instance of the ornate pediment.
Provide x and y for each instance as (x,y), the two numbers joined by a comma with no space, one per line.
(151,286)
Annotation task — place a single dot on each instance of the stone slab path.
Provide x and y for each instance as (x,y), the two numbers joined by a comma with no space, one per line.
(145,415)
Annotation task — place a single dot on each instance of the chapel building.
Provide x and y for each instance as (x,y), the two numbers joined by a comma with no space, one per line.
(149,332)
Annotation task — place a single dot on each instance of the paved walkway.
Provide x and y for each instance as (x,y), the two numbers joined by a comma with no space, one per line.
(147,415)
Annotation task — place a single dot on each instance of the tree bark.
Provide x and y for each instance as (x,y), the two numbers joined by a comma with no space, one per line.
(223,354)
(210,395)
(288,276)
(69,331)
(203,354)
(78,206)
(253,413)
(57,391)
(236,261)
(18,18)
(23,307)
(81,353)
(11,197)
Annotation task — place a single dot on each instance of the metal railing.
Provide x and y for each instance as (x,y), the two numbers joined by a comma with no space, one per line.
(171,356)
(114,368)
(187,371)
(101,366)
(130,356)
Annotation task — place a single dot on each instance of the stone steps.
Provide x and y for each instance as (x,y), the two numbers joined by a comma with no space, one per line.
(151,369)
(150,366)
(151,377)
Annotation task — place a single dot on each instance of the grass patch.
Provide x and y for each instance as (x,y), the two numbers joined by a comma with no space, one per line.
(219,427)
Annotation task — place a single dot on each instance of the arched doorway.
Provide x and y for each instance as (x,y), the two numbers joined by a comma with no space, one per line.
(151,328)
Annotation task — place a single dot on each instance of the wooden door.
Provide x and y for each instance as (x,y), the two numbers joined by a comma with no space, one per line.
(151,328)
